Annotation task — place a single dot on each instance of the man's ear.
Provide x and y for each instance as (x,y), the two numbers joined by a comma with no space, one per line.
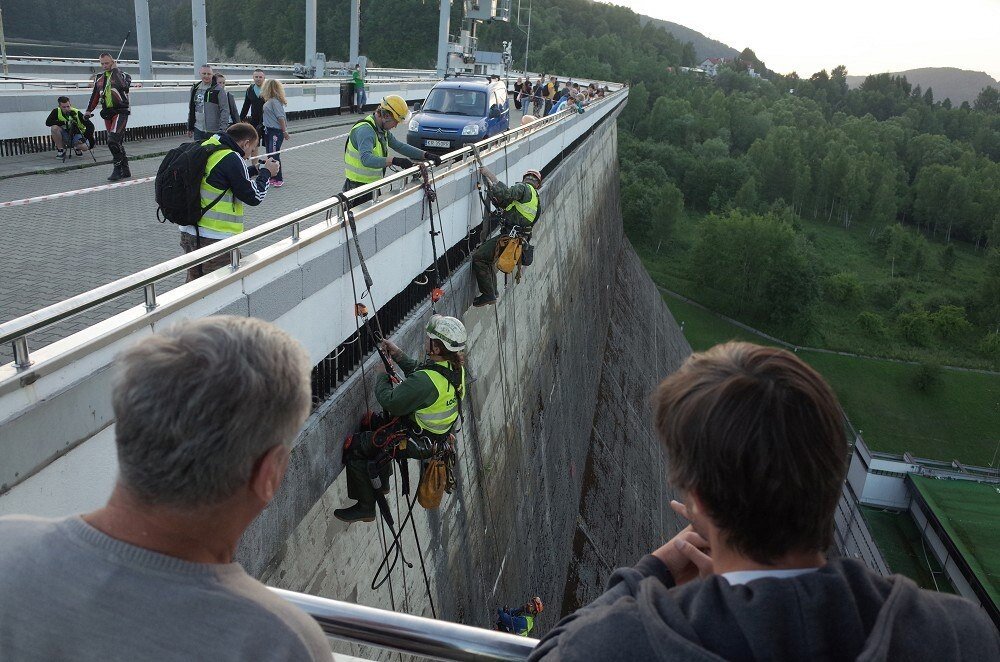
(268,472)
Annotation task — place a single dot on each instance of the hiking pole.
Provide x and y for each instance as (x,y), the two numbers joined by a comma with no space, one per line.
(122,49)
(431,195)
(361,310)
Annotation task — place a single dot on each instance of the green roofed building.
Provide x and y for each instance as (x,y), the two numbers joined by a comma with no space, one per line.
(961,522)
(935,522)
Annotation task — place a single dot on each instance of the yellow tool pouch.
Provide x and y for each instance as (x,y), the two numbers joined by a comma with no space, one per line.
(432,484)
(510,254)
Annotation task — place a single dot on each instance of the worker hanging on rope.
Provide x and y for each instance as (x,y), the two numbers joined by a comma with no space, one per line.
(418,418)
(366,152)
(520,621)
(519,208)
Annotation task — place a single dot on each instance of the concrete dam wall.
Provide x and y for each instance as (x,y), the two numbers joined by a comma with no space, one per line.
(559,477)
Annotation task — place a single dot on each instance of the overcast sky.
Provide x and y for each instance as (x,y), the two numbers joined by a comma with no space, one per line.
(868,36)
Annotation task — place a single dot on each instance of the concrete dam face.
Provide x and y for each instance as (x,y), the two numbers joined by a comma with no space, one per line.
(559,476)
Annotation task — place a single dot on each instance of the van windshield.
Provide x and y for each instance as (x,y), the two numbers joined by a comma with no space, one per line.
(451,101)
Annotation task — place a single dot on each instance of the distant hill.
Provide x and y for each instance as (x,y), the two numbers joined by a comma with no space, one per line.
(956,84)
(703,46)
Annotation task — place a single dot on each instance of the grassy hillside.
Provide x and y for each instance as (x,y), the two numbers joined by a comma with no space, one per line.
(958,420)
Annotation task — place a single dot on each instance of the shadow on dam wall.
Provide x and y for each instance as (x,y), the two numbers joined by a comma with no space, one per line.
(559,475)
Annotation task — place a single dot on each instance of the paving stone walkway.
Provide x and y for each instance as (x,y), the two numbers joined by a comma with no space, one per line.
(53,250)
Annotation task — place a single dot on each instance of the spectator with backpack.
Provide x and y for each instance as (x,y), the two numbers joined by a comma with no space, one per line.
(202,186)
(206,115)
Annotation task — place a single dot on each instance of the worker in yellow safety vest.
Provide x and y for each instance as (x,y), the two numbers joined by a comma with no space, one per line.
(227,185)
(518,207)
(366,152)
(419,416)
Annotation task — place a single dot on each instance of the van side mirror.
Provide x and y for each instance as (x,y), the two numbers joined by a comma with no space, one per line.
(494,112)
(416,107)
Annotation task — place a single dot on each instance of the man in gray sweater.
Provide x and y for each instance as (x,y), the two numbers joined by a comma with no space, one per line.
(755,443)
(205,416)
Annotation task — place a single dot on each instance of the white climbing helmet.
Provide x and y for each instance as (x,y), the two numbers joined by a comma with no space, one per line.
(449,330)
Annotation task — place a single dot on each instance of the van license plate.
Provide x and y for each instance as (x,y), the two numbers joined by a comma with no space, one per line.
(437,143)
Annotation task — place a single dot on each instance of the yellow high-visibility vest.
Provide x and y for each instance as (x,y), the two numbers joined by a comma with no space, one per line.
(528,210)
(355,170)
(226,215)
(441,415)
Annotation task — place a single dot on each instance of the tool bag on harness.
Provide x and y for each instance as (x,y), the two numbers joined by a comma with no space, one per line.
(178,184)
(433,482)
(510,252)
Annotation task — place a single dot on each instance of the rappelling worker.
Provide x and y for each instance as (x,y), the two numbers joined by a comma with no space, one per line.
(520,621)
(520,208)
(418,416)
(366,152)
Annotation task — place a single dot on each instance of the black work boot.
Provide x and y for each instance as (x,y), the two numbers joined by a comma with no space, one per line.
(116,174)
(484,300)
(125,170)
(356,513)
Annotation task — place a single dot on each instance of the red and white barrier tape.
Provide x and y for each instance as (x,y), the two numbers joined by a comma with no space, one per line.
(140,180)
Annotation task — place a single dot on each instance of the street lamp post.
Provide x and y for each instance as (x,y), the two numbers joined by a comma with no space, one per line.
(3,45)
(527,32)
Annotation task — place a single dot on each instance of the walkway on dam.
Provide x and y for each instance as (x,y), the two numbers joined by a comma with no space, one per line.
(56,249)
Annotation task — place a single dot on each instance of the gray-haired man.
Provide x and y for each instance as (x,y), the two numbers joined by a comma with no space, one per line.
(206,413)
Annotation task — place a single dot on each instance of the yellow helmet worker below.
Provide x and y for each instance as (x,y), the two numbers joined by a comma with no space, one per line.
(366,153)
(419,416)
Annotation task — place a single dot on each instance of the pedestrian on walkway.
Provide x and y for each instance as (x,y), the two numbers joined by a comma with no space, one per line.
(521,208)
(228,184)
(253,103)
(275,123)
(360,95)
(538,102)
(206,116)
(111,94)
(69,129)
(421,411)
(366,153)
(229,101)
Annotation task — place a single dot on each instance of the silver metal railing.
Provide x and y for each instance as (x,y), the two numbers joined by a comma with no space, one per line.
(10,83)
(16,331)
(415,635)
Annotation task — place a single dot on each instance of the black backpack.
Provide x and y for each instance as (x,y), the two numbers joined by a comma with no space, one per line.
(178,184)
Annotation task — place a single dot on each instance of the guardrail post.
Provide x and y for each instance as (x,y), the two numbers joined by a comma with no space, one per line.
(150,291)
(234,258)
(296,229)
(22,359)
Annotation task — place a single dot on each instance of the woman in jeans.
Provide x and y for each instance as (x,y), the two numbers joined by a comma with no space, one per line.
(275,125)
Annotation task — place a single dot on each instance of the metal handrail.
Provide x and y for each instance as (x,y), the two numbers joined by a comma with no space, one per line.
(17,330)
(52,83)
(415,635)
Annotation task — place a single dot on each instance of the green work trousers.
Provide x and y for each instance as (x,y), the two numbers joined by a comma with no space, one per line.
(484,266)
(367,446)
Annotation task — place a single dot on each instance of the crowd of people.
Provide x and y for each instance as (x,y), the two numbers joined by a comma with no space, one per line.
(546,96)
(206,412)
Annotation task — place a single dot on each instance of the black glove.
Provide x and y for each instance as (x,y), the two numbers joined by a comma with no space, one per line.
(401,162)
(433,158)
